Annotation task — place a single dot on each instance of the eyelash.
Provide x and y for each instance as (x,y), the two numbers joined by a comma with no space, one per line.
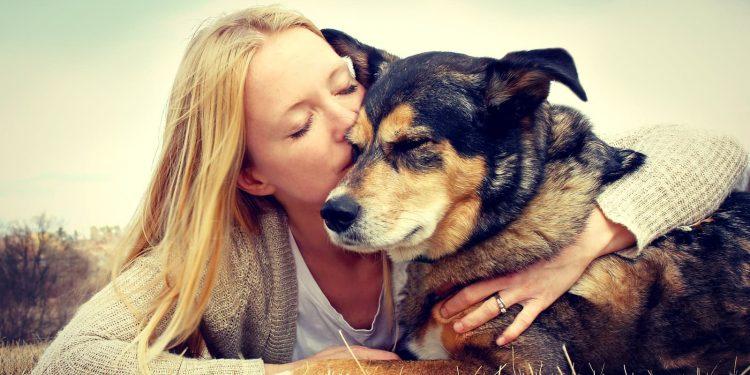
(349,90)
(306,126)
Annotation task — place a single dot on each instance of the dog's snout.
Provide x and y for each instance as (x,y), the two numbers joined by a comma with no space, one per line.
(339,213)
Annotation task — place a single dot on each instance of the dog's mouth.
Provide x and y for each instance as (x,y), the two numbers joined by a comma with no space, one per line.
(412,233)
(372,223)
(354,241)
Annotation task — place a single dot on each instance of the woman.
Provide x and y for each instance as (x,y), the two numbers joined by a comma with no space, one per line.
(230,225)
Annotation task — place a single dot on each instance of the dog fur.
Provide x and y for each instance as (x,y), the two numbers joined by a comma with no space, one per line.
(463,164)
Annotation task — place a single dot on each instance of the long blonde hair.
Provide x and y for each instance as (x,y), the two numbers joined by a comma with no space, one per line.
(192,198)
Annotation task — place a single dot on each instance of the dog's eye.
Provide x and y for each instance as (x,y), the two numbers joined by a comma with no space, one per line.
(410,144)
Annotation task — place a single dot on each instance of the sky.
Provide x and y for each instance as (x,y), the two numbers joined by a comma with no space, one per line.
(84,84)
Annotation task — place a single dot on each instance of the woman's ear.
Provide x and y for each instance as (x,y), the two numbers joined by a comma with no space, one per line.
(254,184)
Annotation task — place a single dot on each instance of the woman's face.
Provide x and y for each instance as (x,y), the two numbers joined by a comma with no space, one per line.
(300,100)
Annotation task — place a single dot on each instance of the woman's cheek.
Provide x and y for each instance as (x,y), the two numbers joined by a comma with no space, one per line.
(311,166)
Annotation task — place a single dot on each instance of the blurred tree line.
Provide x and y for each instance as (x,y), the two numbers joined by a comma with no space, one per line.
(44,276)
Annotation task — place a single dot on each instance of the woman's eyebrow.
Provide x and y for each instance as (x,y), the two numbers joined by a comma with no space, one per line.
(342,67)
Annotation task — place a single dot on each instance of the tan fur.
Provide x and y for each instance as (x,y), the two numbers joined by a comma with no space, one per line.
(452,341)
(350,367)
(405,192)
(393,126)
(409,190)
(608,282)
(464,175)
(745,267)
(545,219)
(361,133)
(457,183)
(562,124)
(542,221)
(688,360)
(532,82)
(461,78)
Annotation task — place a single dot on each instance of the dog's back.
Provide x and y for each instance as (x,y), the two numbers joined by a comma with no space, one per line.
(684,303)
(702,290)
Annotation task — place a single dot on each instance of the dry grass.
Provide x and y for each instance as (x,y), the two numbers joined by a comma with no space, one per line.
(345,367)
(19,359)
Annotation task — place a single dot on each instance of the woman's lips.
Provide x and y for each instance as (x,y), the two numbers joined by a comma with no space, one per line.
(348,165)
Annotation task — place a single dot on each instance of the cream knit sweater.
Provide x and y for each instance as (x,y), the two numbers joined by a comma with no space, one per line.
(253,308)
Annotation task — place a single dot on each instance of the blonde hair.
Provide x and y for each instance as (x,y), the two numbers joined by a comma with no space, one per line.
(192,198)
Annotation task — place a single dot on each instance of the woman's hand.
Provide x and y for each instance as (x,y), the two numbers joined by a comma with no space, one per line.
(538,286)
(335,352)
(361,352)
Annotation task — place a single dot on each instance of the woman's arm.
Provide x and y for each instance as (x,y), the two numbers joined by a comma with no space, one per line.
(687,175)
(97,339)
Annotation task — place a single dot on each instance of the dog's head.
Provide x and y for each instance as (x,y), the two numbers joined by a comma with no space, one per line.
(440,137)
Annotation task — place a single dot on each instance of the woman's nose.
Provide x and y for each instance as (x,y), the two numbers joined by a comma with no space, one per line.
(341,119)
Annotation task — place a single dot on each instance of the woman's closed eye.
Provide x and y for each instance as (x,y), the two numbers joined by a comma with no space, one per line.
(349,90)
(305,127)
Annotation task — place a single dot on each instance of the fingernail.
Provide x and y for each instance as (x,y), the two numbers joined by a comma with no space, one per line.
(458,327)
(500,341)
(444,312)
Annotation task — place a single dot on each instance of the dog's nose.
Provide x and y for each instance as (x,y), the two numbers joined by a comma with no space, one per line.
(339,213)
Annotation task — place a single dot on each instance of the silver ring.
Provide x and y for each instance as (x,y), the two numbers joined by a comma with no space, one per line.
(500,303)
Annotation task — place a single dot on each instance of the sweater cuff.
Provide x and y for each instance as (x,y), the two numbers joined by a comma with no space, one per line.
(223,366)
(625,213)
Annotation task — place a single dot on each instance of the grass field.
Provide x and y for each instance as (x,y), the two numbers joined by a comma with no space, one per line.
(19,359)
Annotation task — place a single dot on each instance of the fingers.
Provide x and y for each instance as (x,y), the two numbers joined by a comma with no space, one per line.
(484,313)
(365,353)
(471,295)
(522,321)
(376,355)
(360,352)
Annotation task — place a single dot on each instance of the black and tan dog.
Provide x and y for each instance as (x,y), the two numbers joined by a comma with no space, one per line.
(465,165)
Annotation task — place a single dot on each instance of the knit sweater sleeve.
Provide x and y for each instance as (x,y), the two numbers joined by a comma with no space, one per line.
(687,174)
(98,338)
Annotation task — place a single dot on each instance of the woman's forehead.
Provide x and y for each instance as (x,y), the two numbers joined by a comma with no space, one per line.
(288,66)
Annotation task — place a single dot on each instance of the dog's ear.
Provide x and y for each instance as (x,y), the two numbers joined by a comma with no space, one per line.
(619,162)
(369,62)
(520,81)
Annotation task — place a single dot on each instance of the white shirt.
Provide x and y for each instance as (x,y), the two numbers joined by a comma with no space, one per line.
(318,323)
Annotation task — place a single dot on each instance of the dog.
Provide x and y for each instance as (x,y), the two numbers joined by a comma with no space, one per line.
(464,166)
